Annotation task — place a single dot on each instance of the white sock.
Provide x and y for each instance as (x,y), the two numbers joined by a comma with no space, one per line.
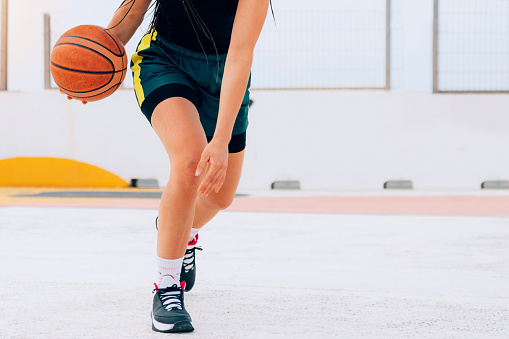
(168,268)
(194,231)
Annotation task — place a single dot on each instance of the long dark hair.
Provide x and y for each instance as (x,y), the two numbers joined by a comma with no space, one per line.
(194,18)
(193,15)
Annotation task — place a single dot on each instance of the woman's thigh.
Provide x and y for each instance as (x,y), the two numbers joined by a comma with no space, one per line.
(177,123)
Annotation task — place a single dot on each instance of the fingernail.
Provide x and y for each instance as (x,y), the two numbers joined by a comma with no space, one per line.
(197,173)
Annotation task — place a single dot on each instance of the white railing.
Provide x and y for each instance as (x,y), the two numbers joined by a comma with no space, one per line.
(343,48)
(337,49)
(471,46)
(3,44)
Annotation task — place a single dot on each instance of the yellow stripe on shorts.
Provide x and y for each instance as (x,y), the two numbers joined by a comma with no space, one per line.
(137,59)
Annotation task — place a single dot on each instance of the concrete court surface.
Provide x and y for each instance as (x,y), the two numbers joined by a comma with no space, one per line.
(70,272)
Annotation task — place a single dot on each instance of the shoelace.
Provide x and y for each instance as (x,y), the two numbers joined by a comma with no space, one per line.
(188,263)
(170,297)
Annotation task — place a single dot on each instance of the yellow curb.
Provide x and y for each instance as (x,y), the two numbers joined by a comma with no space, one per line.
(55,172)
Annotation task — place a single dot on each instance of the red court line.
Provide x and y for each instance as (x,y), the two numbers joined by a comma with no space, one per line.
(383,205)
(375,205)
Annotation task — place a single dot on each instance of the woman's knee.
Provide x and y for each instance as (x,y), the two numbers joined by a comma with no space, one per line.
(185,166)
(188,163)
(219,202)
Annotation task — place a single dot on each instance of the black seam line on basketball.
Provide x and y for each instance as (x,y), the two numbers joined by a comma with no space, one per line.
(112,38)
(88,91)
(90,96)
(93,90)
(88,72)
(123,74)
(122,57)
(96,89)
(70,91)
(93,50)
(95,42)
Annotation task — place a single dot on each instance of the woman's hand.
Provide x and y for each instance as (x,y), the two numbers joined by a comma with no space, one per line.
(69,98)
(216,156)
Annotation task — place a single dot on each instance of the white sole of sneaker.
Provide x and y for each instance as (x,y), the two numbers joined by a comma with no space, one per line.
(177,327)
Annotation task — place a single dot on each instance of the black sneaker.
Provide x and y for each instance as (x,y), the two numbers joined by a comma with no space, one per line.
(168,312)
(188,272)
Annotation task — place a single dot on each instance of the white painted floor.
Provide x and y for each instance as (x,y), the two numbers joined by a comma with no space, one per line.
(88,273)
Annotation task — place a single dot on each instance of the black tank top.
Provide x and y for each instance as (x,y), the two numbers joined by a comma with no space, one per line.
(177,23)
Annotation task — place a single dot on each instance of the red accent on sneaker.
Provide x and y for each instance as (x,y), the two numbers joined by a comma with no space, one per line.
(157,288)
(194,241)
(183,285)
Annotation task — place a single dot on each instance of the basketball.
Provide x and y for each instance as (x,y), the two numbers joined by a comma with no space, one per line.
(88,63)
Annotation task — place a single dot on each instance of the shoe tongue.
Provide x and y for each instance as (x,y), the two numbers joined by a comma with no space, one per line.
(193,242)
(168,281)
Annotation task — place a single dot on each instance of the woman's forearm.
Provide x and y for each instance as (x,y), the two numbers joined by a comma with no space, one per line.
(233,89)
(246,30)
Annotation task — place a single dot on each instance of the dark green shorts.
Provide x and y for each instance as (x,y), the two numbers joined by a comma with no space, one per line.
(162,70)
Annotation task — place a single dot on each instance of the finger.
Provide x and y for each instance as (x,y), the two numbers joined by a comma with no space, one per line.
(212,174)
(220,181)
(210,181)
(213,183)
(84,102)
(69,97)
(201,165)
(211,171)
(217,182)
(223,178)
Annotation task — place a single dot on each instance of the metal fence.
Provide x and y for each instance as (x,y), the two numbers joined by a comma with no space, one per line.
(325,49)
(471,46)
(346,46)
(3,44)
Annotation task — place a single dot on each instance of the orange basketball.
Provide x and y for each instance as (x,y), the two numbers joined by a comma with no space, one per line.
(88,63)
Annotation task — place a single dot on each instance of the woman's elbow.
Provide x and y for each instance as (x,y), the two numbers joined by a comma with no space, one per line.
(240,54)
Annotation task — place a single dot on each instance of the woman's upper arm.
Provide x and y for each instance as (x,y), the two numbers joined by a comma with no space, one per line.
(138,9)
(248,25)
(128,18)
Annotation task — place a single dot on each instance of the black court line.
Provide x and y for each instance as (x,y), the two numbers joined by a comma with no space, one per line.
(104,195)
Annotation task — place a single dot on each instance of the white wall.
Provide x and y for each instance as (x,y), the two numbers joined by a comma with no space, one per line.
(357,140)
(329,140)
